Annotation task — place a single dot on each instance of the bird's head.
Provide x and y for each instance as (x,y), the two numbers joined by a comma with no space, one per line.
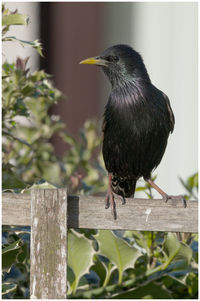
(121,64)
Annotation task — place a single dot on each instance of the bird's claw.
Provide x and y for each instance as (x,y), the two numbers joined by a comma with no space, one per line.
(166,197)
(111,201)
(113,210)
(107,202)
(123,200)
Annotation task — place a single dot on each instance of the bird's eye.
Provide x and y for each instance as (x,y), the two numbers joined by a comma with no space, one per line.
(112,58)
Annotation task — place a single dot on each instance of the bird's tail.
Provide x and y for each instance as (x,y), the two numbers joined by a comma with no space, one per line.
(123,186)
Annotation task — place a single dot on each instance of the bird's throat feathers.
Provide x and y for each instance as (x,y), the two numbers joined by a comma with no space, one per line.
(129,93)
(118,78)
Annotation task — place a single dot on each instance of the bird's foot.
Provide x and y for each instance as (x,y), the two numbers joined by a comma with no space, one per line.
(166,197)
(110,200)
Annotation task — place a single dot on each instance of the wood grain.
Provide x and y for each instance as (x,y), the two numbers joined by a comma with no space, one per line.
(48,244)
(16,209)
(89,212)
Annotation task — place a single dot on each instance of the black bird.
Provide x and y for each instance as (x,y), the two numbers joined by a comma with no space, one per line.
(137,121)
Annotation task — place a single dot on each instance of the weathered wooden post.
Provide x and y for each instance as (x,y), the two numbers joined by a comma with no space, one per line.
(48,244)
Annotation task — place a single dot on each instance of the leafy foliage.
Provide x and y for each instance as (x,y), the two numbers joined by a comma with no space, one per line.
(102,264)
(167,275)
(84,161)
(15,262)
(164,263)
(14,18)
(27,128)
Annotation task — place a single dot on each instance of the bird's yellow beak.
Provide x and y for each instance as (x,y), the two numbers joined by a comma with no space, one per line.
(94,61)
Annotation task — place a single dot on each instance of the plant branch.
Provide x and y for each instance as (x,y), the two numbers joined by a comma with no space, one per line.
(16,138)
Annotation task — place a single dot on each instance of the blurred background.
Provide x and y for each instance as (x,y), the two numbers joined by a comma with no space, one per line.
(164,33)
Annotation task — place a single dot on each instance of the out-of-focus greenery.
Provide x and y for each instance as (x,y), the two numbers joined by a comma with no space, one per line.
(191,186)
(101,264)
(28,154)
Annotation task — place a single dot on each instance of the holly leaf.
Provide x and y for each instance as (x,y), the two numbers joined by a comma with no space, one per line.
(14,19)
(117,250)
(80,257)
(9,254)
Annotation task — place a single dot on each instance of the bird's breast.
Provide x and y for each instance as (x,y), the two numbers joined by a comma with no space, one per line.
(135,129)
(136,110)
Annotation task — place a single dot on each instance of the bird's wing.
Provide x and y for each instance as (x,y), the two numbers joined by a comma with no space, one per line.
(171,114)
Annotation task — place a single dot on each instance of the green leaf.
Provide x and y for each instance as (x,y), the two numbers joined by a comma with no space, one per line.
(99,268)
(141,239)
(191,185)
(8,287)
(175,250)
(149,291)
(51,171)
(14,19)
(193,181)
(70,279)
(28,89)
(14,246)
(11,180)
(103,270)
(35,44)
(192,282)
(9,254)
(117,250)
(22,256)
(43,185)
(69,139)
(80,256)
(140,188)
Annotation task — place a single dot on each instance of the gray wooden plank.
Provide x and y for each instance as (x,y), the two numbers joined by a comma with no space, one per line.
(16,209)
(137,214)
(48,275)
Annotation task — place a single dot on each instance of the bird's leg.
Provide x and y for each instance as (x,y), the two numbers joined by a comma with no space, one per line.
(123,200)
(110,198)
(165,196)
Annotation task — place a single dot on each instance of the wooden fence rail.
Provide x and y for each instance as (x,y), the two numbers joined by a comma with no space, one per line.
(51,212)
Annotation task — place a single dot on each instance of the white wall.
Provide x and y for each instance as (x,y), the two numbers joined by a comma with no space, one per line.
(11,50)
(165,34)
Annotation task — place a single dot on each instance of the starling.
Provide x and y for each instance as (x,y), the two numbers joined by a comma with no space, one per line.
(137,121)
